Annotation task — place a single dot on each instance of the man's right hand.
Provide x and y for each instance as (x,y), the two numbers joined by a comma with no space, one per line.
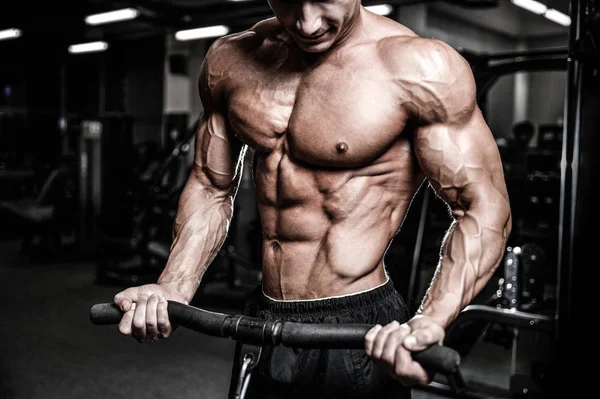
(145,311)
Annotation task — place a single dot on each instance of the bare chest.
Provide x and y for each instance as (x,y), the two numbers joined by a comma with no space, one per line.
(330,116)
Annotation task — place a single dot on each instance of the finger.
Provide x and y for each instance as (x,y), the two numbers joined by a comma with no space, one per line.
(370,338)
(139,320)
(422,338)
(125,325)
(394,339)
(125,299)
(162,318)
(151,317)
(407,370)
(382,337)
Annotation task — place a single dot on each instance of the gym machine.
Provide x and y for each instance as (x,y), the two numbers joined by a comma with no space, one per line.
(37,184)
(138,256)
(578,214)
(517,315)
(105,206)
(511,311)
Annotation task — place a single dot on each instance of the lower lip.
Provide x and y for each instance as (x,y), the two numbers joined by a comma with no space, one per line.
(313,39)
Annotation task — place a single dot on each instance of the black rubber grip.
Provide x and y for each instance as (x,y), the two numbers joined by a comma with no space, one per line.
(437,358)
(305,335)
(200,320)
(105,313)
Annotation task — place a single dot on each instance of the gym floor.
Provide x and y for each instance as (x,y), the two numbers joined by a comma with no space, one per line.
(50,349)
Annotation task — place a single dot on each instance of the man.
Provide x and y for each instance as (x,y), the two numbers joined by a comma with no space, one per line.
(346,112)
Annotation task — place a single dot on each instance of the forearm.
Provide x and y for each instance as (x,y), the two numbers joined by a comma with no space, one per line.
(199,231)
(472,250)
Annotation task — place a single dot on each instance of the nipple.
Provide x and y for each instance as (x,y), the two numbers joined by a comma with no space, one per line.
(341,147)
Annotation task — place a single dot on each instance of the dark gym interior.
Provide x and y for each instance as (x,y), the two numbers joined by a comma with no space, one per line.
(96,144)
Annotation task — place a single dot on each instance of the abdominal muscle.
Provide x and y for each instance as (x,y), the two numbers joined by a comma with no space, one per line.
(325,233)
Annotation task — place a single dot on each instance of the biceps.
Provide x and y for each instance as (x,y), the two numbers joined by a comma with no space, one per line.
(462,163)
(218,156)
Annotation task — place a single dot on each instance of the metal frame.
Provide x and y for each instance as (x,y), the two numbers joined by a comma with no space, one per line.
(487,69)
(579,136)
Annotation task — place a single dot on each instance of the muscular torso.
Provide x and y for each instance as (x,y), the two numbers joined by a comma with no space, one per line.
(334,168)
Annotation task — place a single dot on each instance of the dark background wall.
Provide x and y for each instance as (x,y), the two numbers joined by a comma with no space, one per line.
(150,78)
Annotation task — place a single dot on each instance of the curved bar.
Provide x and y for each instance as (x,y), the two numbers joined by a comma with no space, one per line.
(436,358)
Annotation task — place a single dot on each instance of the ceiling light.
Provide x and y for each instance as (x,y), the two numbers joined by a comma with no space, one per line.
(9,34)
(382,9)
(112,16)
(90,47)
(558,17)
(202,33)
(531,5)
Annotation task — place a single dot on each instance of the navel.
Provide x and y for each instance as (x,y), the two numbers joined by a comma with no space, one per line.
(341,147)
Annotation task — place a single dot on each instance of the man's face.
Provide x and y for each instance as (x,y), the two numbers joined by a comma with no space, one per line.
(315,25)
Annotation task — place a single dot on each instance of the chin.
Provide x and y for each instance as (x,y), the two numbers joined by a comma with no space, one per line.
(315,48)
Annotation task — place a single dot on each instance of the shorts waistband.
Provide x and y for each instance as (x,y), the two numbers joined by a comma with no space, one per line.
(341,303)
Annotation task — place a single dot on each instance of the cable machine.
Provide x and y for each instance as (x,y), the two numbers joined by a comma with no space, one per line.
(578,170)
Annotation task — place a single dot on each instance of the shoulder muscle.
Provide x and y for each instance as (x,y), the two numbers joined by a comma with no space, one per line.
(221,63)
(436,82)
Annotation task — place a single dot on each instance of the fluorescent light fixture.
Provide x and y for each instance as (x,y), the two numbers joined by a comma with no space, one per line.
(382,9)
(202,33)
(531,5)
(558,17)
(9,34)
(112,16)
(90,47)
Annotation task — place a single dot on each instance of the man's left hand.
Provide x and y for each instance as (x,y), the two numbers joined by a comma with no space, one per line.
(390,346)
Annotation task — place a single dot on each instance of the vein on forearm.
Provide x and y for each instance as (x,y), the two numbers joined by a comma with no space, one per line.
(200,227)
(471,251)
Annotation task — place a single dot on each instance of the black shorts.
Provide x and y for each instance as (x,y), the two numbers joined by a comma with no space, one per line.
(288,373)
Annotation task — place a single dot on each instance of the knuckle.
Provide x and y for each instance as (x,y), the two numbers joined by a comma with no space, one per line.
(138,324)
(151,318)
(162,328)
(162,322)
(391,326)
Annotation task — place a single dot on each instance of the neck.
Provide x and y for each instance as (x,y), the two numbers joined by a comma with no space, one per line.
(353,31)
